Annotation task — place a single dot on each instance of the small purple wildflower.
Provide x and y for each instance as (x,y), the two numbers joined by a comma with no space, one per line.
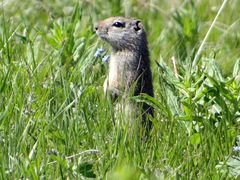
(236,148)
(106,58)
(98,52)
(101,50)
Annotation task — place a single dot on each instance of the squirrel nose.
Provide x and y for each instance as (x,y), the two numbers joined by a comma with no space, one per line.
(96,26)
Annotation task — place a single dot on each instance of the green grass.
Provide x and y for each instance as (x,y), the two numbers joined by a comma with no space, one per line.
(55,122)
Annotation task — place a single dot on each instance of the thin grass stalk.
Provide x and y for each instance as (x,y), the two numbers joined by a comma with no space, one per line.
(196,58)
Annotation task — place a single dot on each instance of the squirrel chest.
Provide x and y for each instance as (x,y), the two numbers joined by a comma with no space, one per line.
(123,71)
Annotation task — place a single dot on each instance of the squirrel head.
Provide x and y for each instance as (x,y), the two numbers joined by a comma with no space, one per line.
(122,33)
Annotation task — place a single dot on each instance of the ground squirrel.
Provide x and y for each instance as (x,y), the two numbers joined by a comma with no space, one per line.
(129,64)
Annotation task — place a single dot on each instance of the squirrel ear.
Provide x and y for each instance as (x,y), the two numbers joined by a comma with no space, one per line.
(138,25)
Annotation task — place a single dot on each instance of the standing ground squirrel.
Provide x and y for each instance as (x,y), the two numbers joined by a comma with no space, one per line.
(129,66)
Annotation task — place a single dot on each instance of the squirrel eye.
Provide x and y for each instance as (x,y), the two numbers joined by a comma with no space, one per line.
(119,24)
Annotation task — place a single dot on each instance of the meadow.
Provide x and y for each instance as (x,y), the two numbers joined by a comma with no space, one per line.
(55,122)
